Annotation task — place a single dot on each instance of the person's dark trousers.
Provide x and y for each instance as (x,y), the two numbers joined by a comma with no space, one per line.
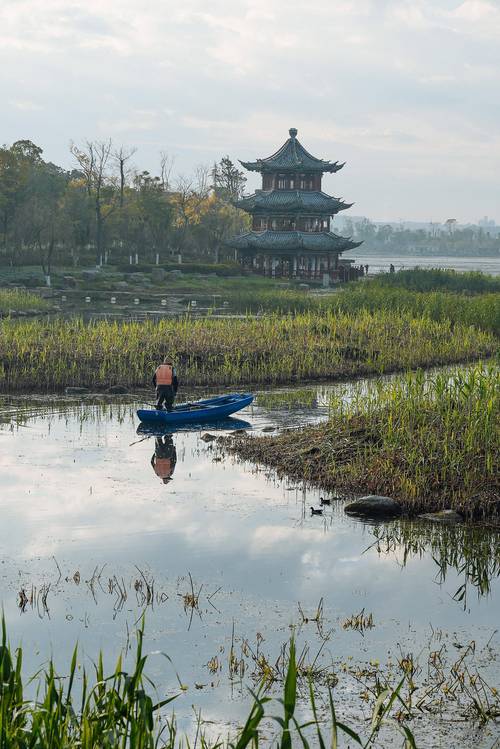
(165,394)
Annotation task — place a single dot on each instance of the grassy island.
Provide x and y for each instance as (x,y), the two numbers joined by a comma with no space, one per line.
(429,443)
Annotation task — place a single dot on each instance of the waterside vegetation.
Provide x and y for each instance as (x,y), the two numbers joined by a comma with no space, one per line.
(431,443)
(48,355)
(19,300)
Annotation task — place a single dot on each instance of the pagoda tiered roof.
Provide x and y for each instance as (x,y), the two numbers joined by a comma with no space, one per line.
(308,201)
(292,241)
(292,156)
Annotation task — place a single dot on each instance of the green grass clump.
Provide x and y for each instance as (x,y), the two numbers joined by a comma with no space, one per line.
(20,300)
(430,443)
(47,355)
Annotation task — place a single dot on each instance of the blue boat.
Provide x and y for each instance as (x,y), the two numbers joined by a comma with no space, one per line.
(160,428)
(204,410)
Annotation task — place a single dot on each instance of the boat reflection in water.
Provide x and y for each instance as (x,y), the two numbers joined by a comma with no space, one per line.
(164,458)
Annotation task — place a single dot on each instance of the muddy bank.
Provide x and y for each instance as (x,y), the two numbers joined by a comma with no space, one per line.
(328,458)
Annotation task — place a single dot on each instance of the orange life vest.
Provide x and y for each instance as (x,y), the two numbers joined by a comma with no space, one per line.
(164,374)
(163,468)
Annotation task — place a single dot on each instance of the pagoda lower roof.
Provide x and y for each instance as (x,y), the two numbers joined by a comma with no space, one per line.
(308,201)
(292,156)
(292,241)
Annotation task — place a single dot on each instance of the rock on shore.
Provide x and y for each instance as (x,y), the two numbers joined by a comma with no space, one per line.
(374,506)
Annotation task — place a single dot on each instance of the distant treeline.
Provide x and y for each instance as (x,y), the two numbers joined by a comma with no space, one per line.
(106,209)
(440,239)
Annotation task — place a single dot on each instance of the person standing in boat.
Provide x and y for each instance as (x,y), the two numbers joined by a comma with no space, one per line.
(166,384)
(164,458)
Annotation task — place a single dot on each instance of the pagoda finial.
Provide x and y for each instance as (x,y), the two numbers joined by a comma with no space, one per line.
(293,132)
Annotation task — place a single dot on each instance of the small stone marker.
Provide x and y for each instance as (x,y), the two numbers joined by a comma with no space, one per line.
(63,298)
(163,302)
(113,300)
(87,299)
(136,300)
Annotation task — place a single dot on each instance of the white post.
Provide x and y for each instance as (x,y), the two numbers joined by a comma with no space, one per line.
(130,259)
(179,258)
(294,266)
(47,279)
(157,258)
(137,258)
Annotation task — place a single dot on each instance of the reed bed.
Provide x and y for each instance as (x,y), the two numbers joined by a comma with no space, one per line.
(19,300)
(481,310)
(431,443)
(435,279)
(48,355)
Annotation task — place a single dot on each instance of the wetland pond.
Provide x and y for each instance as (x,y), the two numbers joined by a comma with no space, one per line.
(226,562)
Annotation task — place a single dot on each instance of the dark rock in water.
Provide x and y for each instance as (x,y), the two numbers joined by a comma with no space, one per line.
(373,506)
(443,516)
(76,391)
(268,429)
(208,437)
(117,390)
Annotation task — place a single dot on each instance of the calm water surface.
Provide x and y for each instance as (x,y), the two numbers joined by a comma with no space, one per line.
(82,511)
(379,263)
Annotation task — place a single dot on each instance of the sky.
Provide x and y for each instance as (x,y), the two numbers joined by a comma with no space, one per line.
(406,92)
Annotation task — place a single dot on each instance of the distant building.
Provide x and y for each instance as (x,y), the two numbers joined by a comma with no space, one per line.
(290,233)
(486,223)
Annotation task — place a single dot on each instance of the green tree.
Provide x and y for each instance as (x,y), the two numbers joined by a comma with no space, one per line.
(227,180)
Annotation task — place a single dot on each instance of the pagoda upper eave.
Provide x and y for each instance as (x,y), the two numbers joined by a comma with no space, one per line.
(292,201)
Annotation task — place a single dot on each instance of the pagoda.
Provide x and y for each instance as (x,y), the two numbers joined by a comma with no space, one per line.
(290,234)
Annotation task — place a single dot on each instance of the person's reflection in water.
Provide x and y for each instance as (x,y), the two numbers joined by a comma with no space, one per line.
(164,458)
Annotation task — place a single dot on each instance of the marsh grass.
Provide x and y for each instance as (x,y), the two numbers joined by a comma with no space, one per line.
(482,310)
(435,279)
(430,442)
(46,356)
(20,300)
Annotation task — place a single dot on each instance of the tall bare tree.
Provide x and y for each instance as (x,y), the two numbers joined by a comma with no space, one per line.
(166,166)
(93,160)
(121,156)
